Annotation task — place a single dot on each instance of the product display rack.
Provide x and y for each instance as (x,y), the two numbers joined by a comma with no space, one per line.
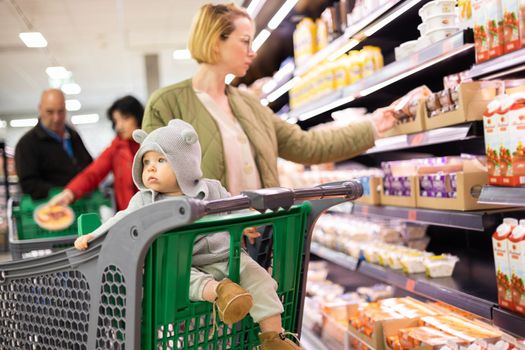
(473,285)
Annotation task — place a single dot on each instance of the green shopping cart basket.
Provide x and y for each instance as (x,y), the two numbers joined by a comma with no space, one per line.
(26,236)
(130,288)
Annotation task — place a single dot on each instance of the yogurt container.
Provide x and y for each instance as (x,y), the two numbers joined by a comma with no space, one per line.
(442,33)
(437,6)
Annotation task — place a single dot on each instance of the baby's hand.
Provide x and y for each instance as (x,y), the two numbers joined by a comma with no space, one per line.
(251,233)
(81,242)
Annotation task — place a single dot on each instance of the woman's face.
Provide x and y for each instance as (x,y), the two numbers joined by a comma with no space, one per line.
(236,53)
(124,125)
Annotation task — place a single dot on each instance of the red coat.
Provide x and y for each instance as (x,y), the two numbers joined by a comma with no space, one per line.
(118,158)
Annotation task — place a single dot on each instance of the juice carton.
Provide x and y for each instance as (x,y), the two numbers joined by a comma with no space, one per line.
(501,260)
(516,115)
(490,131)
(522,22)
(511,25)
(502,115)
(479,20)
(494,13)
(516,244)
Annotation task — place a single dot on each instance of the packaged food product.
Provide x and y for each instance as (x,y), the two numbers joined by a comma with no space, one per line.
(437,6)
(304,40)
(516,164)
(494,13)
(462,328)
(522,21)
(481,35)
(492,142)
(422,27)
(376,292)
(322,34)
(413,262)
(516,245)
(428,337)
(441,33)
(511,24)
(501,260)
(465,13)
(53,217)
(441,20)
(440,265)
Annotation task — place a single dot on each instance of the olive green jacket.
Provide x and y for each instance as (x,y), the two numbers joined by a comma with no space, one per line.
(270,136)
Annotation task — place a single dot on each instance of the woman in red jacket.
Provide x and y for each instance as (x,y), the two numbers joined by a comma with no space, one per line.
(126,115)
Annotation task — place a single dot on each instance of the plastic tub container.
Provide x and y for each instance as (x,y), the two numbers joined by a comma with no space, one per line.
(439,21)
(437,6)
(440,265)
(440,34)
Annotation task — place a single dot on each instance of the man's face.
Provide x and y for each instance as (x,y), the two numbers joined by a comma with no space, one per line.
(52,111)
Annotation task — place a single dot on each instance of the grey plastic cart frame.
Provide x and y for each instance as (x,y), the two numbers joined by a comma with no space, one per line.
(54,302)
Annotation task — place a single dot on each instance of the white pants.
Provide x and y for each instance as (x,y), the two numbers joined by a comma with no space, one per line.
(256,280)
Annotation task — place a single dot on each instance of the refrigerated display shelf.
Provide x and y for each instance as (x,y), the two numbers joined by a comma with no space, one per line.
(509,321)
(338,258)
(468,220)
(310,341)
(431,56)
(464,290)
(425,138)
(503,195)
(499,67)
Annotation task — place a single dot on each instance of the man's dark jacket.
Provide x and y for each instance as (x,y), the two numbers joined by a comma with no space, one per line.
(42,162)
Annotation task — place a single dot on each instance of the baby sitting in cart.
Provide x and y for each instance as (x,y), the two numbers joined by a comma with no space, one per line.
(168,164)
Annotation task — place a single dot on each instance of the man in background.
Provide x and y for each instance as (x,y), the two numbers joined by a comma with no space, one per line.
(50,154)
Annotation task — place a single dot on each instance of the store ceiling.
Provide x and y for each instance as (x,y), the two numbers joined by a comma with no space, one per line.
(102,42)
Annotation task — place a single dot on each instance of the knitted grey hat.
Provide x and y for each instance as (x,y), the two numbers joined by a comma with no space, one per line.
(180,144)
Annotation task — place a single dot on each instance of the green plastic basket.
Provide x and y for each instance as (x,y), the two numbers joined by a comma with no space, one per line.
(171,321)
(27,227)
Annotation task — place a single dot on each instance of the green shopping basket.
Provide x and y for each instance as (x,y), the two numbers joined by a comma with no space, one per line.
(130,288)
(24,233)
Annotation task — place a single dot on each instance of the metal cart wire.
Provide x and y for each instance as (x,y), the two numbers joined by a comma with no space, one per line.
(129,290)
(26,236)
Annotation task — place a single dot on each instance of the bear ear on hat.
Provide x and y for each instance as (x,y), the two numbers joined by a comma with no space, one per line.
(139,135)
(189,136)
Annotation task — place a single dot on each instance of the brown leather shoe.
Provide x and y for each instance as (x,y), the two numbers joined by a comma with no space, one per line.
(233,302)
(276,341)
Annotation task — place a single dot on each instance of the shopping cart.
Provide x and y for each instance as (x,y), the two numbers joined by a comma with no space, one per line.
(25,236)
(129,289)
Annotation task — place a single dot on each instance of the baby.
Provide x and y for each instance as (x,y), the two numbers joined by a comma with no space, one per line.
(168,164)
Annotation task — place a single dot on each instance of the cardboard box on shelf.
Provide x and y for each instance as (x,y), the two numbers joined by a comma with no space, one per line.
(412,126)
(468,181)
(473,98)
(371,191)
(406,200)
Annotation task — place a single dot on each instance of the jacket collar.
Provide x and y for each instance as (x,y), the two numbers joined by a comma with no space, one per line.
(42,133)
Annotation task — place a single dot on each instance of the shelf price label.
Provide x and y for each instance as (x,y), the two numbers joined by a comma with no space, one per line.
(412,215)
(410,285)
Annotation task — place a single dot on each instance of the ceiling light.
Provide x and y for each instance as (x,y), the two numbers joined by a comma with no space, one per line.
(281,14)
(73,105)
(33,39)
(254,7)
(23,123)
(3,124)
(71,88)
(182,54)
(260,39)
(85,119)
(58,72)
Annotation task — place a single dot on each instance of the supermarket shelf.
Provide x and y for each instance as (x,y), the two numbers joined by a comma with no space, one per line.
(464,290)
(398,70)
(503,195)
(425,138)
(337,258)
(499,67)
(469,220)
(509,321)
(310,341)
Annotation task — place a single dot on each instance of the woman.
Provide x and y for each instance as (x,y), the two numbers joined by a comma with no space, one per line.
(126,116)
(241,139)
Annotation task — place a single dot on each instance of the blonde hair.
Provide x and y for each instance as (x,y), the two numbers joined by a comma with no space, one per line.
(211,24)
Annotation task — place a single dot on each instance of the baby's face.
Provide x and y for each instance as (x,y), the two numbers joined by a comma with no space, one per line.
(158,175)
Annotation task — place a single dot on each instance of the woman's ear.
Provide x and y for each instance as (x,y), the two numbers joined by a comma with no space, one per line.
(139,135)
